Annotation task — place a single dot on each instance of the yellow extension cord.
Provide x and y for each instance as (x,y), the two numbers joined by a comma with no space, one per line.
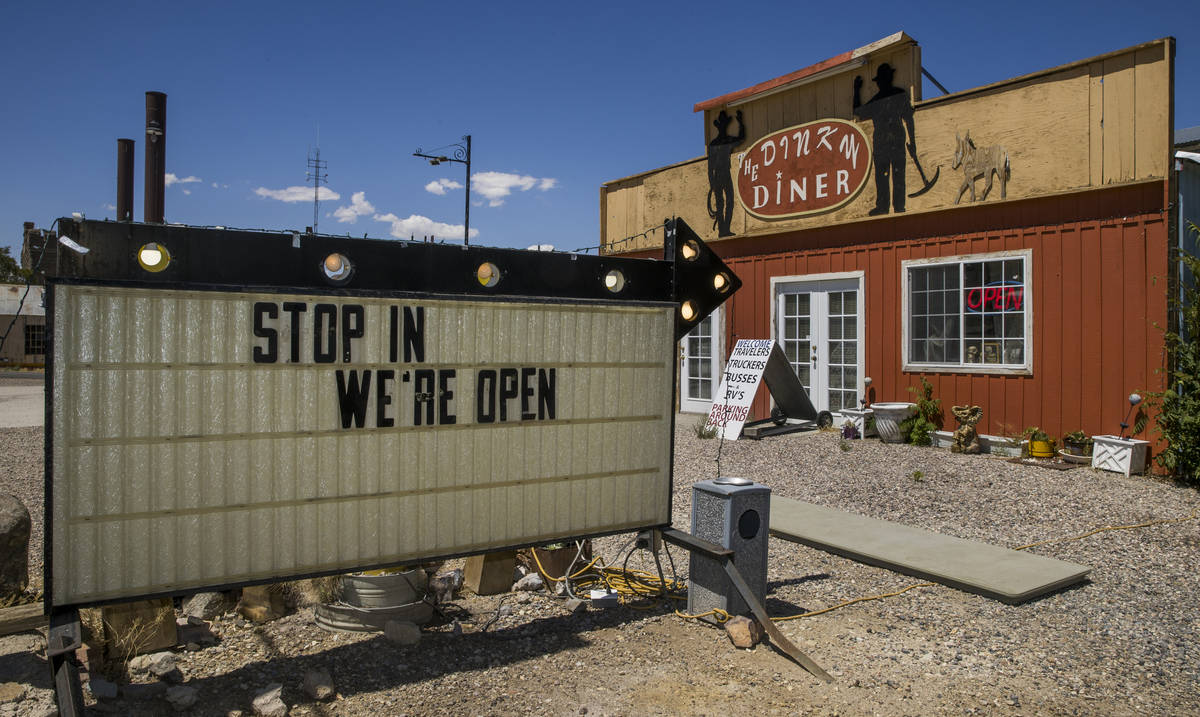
(622,581)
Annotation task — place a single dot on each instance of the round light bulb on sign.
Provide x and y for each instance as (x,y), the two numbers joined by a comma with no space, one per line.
(153,257)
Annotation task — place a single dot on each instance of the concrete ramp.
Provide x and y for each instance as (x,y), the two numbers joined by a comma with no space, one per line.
(1011,576)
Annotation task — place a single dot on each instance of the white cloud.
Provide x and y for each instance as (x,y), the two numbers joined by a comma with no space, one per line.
(172,179)
(218,185)
(297,194)
(111,207)
(359,207)
(439,186)
(495,186)
(187,191)
(418,226)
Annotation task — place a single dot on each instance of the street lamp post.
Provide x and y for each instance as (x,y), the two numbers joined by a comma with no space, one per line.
(462,155)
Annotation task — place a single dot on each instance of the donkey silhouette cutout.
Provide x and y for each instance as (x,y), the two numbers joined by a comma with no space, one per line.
(980,163)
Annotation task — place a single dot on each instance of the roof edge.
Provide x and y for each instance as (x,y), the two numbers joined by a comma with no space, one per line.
(778,83)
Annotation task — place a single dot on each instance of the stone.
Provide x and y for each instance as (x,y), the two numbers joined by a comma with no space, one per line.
(102,689)
(14,546)
(444,585)
(139,664)
(523,598)
(181,697)
(530,583)
(318,684)
(12,692)
(743,632)
(206,606)
(402,632)
(160,663)
(268,701)
(575,605)
(44,712)
(143,690)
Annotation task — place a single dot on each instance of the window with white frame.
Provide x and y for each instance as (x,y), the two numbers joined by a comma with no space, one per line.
(968,313)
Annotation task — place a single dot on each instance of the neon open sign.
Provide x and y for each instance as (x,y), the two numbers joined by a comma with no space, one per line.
(996,296)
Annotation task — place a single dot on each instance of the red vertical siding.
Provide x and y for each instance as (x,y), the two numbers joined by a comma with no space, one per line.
(1098,289)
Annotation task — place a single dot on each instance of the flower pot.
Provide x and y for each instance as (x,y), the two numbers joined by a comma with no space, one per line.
(859,417)
(888,417)
(1119,455)
(1077,449)
(942,439)
(1041,449)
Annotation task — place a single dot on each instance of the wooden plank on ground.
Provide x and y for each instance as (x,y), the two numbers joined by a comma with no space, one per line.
(20,618)
(1011,576)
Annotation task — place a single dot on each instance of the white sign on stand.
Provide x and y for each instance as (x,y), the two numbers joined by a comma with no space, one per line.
(739,383)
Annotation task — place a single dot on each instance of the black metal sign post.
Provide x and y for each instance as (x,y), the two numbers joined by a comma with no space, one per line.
(145,320)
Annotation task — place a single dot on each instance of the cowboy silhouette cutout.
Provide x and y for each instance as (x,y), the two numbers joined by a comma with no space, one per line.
(720,183)
(891,113)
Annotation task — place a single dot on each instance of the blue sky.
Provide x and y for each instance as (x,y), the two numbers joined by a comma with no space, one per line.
(559,97)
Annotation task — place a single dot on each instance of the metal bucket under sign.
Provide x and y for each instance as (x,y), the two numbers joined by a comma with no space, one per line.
(370,601)
(386,590)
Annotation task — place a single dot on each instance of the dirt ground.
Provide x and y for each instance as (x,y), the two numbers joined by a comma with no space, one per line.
(1124,642)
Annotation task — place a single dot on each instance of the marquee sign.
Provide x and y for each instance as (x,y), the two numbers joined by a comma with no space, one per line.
(809,168)
(203,435)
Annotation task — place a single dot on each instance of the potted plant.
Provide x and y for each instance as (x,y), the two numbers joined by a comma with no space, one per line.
(1077,443)
(1041,445)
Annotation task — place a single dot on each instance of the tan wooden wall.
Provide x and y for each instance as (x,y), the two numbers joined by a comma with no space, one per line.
(1092,123)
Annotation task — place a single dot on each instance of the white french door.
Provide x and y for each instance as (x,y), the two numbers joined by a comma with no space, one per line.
(818,323)
(700,373)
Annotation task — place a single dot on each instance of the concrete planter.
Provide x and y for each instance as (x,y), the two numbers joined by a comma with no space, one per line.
(1119,455)
(888,417)
(1001,446)
(859,418)
(942,439)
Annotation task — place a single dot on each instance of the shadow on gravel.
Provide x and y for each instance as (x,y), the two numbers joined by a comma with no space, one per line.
(378,664)
(26,666)
(776,584)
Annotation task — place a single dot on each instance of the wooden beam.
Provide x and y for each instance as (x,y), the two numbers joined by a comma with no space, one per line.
(20,618)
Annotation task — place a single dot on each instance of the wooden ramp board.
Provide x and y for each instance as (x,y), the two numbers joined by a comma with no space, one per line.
(1011,576)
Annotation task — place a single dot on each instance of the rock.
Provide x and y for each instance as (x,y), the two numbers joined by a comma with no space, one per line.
(102,689)
(318,684)
(519,572)
(529,583)
(206,606)
(743,632)
(162,665)
(269,702)
(14,546)
(404,633)
(143,690)
(575,605)
(523,598)
(444,585)
(44,712)
(140,664)
(457,628)
(181,697)
(12,692)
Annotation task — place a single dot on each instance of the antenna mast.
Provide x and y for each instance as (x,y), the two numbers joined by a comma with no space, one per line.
(316,174)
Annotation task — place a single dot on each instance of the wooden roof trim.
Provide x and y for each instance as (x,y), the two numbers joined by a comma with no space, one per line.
(1169,42)
(648,172)
(778,82)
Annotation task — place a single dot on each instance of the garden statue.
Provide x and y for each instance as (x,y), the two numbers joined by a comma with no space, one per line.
(966,439)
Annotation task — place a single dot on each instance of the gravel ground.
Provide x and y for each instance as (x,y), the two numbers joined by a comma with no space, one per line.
(1124,643)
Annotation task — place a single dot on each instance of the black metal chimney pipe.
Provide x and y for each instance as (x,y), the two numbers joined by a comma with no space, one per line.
(156,156)
(125,180)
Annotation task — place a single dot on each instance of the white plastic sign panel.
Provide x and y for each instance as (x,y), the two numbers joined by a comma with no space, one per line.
(210,438)
(739,383)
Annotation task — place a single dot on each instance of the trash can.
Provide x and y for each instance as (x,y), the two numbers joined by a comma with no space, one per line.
(735,514)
